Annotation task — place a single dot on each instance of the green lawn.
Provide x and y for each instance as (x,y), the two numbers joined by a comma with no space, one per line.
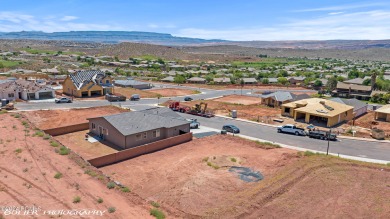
(8,64)
(276,61)
(51,52)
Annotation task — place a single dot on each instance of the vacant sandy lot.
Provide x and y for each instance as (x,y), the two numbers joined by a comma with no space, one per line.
(238,99)
(366,121)
(27,169)
(294,185)
(128,91)
(180,176)
(172,92)
(253,112)
(76,141)
(47,119)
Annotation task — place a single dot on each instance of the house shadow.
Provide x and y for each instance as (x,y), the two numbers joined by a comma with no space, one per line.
(92,138)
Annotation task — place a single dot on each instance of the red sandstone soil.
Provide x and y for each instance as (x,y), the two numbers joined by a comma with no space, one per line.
(47,119)
(238,99)
(172,92)
(366,121)
(27,178)
(179,177)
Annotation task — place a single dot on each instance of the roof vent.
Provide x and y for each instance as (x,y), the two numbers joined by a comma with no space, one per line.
(322,111)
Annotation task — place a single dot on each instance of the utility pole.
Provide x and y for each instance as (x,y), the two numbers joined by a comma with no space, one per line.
(327,150)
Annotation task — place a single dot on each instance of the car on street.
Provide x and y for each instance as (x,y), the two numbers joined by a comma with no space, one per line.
(194,123)
(63,100)
(188,99)
(323,135)
(135,97)
(291,129)
(111,97)
(231,128)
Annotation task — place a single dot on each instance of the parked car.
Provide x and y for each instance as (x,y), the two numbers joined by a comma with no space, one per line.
(63,100)
(231,128)
(112,98)
(322,135)
(188,99)
(194,123)
(135,97)
(292,129)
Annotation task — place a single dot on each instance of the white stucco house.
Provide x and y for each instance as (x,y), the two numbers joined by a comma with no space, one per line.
(25,90)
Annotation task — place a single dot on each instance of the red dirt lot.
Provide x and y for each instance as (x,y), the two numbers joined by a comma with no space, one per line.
(47,119)
(238,99)
(294,184)
(172,92)
(180,177)
(27,169)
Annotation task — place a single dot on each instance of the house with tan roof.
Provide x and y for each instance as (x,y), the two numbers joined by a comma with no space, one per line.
(383,113)
(357,91)
(316,110)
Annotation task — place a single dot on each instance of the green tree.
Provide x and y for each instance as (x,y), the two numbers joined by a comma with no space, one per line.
(179,79)
(265,81)
(331,84)
(367,81)
(317,83)
(1,65)
(282,80)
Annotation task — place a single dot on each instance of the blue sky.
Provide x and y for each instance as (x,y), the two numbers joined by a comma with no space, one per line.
(212,19)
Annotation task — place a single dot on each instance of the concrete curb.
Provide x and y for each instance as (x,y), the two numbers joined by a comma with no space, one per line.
(363,139)
(248,121)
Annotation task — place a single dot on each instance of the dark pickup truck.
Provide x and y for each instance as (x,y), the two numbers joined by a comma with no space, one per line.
(112,98)
(322,135)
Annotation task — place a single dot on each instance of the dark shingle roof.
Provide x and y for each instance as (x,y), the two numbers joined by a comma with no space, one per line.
(82,78)
(279,95)
(141,121)
(357,104)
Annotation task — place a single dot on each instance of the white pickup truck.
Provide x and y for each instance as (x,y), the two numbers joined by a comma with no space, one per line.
(292,129)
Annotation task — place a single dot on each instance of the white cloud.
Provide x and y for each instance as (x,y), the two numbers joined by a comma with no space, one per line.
(344,7)
(69,18)
(336,13)
(15,21)
(358,25)
(165,26)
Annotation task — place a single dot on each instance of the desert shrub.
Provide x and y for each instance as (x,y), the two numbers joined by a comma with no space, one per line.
(388,164)
(16,115)
(58,175)
(39,133)
(64,151)
(18,151)
(267,145)
(125,189)
(24,123)
(46,137)
(111,209)
(54,144)
(110,185)
(233,159)
(157,213)
(155,204)
(77,199)
(309,153)
(213,165)
(100,200)
(91,173)
(205,159)
(3,111)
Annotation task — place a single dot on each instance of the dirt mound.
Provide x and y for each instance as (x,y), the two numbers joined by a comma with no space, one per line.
(171,92)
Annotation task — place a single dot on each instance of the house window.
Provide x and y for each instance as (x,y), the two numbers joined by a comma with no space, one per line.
(105,131)
(11,95)
(144,135)
(107,81)
(138,137)
(93,126)
(156,133)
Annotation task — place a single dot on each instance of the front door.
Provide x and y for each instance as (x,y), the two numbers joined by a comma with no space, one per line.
(100,131)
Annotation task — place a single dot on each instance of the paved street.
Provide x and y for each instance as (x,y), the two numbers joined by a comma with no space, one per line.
(373,150)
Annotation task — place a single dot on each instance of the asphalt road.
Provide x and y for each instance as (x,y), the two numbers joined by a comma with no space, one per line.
(364,149)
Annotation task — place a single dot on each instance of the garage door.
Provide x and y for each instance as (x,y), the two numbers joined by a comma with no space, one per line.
(45,95)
